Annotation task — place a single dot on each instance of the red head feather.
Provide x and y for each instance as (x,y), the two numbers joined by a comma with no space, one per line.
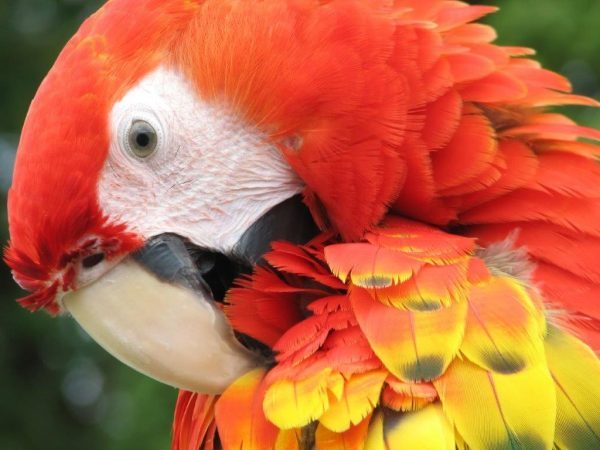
(383,105)
(54,214)
(376,105)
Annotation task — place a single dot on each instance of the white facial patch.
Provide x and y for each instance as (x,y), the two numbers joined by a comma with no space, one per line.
(209,178)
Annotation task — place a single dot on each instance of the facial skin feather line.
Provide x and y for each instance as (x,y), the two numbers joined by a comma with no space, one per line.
(210,172)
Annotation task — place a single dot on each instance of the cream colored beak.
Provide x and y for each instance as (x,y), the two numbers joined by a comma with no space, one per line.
(166,331)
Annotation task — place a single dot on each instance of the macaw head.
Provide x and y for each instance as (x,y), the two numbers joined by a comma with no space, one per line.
(173,141)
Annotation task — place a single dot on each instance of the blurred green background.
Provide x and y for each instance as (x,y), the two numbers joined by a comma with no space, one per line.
(58,390)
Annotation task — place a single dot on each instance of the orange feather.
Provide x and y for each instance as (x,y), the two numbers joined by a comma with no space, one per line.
(404,108)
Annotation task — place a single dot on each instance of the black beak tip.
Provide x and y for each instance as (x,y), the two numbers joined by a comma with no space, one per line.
(167,257)
(174,259)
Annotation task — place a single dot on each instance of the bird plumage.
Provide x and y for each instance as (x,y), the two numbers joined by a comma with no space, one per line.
(420,143)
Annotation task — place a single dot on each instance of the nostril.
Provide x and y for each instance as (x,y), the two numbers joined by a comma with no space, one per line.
(93,260)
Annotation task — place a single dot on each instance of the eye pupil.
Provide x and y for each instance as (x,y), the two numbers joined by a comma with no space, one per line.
(142,139)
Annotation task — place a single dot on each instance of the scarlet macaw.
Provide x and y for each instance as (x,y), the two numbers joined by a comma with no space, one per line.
(334,224)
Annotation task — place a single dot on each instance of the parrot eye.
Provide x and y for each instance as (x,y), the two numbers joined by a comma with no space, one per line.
(142,139)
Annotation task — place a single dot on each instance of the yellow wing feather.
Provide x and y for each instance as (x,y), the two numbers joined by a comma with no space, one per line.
(296,403)
(361,395)
(351,439)
(502,332)
(425,429)
(576,372)
(498,411)
(375,439)
(413,345)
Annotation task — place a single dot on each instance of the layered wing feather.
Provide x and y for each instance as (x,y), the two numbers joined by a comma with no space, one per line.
(425,429)
(404,329)
(575,371)
(483,343)
(239,415)
(413,345)
(193,424)
(351,439)
(504,330)
(493,410)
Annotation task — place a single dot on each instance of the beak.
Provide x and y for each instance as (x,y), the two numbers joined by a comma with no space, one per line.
(154,312)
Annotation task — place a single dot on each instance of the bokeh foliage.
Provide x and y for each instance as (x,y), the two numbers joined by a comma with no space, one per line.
(58,390)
